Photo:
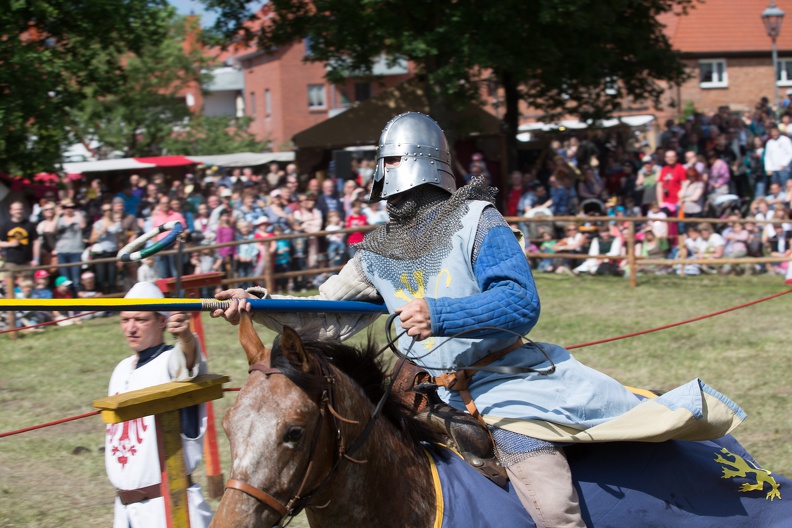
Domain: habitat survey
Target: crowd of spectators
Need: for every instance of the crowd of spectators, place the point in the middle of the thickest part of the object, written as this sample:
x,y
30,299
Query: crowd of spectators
x,y
727,165
88,223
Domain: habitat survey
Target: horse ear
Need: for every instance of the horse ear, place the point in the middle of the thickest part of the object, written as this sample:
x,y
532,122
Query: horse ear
x,y
293,349
254,349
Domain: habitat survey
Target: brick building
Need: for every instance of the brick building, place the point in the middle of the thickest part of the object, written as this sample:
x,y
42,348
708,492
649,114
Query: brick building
x,y
728,56
285,95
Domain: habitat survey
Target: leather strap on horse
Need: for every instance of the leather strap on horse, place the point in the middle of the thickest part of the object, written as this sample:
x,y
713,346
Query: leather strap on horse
x,y
460,380
256,493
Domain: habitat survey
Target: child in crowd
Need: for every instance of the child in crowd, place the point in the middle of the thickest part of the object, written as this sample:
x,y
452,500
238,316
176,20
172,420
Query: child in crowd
x,y
660,228
335,242
24,317
206,261
41,289
63,291
247,254
355,219
226,233
88,290
547,246
146,271
282,258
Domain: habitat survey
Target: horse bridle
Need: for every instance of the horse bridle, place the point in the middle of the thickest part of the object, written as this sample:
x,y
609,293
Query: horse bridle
x,y
299,501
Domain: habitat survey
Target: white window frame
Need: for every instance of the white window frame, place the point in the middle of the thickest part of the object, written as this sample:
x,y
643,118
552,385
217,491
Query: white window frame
x,y
781,74
718,83
267,102
318,105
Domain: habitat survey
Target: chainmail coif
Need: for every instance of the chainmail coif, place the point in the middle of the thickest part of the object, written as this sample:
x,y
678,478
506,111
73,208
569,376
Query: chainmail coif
x,y
424,220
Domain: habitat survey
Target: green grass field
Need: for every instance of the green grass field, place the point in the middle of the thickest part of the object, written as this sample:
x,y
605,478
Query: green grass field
x,y
47,480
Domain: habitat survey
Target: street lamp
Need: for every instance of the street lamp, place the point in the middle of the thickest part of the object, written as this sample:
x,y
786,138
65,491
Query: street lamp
x,y
772,17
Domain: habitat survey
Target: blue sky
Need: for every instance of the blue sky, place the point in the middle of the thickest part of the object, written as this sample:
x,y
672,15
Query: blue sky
x,y
187,7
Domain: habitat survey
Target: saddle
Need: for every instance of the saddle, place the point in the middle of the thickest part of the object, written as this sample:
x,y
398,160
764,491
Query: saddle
x,y
415,389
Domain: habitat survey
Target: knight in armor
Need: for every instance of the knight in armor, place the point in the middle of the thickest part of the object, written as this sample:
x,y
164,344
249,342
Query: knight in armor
x,y
455,272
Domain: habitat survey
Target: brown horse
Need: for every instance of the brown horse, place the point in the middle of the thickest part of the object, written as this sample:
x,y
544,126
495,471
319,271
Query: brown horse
x,y
291,430
302,437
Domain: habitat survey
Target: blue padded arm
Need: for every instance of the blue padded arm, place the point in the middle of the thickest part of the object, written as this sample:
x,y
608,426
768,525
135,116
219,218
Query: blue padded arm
x,y
508,297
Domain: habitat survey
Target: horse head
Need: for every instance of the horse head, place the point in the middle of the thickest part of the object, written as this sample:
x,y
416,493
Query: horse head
x,y
281,441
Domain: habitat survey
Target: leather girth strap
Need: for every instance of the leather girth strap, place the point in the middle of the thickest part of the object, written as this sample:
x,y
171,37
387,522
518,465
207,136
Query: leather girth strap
x,y
266,498
460,380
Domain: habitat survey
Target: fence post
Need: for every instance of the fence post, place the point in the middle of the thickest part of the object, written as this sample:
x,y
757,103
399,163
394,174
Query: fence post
x,y
268,283
631,254
11,316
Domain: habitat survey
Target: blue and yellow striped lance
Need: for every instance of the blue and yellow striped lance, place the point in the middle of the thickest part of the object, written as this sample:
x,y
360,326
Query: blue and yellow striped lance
x,y
111,304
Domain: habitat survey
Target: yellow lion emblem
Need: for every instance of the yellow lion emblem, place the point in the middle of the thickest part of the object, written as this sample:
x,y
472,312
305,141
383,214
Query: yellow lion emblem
x,y
739,467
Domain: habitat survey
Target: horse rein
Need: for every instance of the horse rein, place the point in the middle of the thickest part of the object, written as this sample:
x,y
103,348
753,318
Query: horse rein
x,y
299,501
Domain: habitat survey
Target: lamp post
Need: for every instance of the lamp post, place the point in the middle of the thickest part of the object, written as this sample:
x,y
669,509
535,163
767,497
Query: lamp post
x,y
772,17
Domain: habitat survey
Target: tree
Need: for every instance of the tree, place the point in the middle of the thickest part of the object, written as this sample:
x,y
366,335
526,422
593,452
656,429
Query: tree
x,y
214,135
53,56
577,57
140,116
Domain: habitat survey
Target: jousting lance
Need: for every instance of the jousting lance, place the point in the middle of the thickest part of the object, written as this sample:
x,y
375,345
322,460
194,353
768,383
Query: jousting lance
x,y
135,251
112,304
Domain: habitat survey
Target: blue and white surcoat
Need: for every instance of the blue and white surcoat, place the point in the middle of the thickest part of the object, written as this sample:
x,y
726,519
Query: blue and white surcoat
x,y
496,291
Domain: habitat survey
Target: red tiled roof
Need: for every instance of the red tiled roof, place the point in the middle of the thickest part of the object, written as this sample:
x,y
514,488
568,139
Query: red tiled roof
x,y
726,26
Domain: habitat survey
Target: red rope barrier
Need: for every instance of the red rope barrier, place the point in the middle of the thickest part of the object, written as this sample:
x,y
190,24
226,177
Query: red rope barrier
x,y
590,343
19,329
48,424
678,323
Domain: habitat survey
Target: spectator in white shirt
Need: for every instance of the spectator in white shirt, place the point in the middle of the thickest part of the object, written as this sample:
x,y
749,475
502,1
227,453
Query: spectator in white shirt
x,y
778,155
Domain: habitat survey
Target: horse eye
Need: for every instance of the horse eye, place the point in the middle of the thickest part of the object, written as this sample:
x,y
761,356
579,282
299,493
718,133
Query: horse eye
x,y
294,434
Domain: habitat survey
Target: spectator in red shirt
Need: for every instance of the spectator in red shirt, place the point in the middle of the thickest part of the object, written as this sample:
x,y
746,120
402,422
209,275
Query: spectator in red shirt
x,y
355,219
670,181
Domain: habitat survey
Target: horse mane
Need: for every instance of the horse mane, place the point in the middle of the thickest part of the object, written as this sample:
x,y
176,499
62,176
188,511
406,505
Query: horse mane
x,y
366,367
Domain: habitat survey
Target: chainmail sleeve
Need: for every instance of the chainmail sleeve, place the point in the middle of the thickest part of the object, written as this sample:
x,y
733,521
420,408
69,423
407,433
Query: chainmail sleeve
x,y
490,218
350,284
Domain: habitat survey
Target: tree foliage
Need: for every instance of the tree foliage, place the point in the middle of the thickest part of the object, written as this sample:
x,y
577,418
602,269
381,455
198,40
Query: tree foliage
x,y
55,54
214,135
573,57
139,117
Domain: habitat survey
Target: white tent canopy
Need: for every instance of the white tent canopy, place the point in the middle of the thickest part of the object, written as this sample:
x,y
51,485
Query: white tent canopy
x,y
239,159
105,165
244,159
571,124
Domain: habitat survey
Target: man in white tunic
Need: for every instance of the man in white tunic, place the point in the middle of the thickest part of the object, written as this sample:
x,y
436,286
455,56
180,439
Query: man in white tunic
x,y
131,453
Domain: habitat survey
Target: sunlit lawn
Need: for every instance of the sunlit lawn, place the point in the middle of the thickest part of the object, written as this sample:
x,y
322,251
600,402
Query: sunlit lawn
x,y
743,354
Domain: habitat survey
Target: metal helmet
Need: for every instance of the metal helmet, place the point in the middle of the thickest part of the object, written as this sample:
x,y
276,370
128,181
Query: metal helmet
x,y
425,159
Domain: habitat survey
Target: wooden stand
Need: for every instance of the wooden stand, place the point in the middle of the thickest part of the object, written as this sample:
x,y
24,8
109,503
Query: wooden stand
x,y
192,284
164,402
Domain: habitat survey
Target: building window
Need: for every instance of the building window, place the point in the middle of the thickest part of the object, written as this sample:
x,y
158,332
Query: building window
x,y
267,102
316,96
362,91
307,41
252,103
712,74
784,73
